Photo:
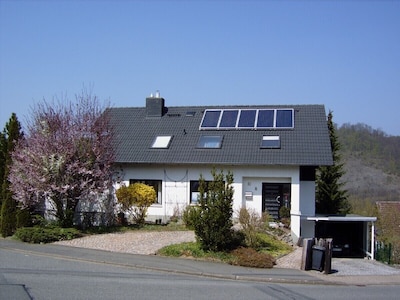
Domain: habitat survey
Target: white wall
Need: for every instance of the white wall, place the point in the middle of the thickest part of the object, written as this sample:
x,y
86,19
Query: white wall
x,y
176,187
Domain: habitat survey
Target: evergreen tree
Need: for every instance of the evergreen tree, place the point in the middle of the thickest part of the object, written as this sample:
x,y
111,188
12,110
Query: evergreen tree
x,y
331,198
12,134
213,217
3,151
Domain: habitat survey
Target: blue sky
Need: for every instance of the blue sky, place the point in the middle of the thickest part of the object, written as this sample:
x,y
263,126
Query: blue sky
x,y
343,54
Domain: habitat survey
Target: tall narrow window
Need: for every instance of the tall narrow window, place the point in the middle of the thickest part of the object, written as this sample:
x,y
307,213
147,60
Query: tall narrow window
x,y
194,190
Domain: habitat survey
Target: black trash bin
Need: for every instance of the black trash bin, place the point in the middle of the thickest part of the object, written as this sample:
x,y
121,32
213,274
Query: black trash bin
x,y
318,258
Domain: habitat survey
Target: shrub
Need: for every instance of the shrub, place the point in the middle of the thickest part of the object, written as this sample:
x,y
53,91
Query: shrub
x,y
284,212
248,257
251,223
189,216
136,199
46,234
8,217
24,218
213,222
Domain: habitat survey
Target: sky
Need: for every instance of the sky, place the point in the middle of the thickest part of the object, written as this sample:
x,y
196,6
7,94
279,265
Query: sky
x,y
342,54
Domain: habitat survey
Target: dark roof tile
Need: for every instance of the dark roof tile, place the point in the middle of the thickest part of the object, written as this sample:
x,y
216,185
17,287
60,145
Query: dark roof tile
x,y
306,144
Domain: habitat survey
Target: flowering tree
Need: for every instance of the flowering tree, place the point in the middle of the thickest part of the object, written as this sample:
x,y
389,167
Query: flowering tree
x,y
136,199
66,156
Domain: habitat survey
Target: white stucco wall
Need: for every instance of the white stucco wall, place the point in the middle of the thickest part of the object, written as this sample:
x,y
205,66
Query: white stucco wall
x,y
247,181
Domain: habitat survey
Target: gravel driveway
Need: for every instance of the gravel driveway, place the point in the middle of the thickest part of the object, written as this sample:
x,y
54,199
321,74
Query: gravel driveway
x,y
134,242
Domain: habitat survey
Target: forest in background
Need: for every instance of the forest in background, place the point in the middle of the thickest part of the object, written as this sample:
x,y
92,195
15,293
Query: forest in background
x,y
371,160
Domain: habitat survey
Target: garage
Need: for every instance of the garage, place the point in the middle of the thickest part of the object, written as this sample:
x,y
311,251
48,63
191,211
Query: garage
x,y
352,235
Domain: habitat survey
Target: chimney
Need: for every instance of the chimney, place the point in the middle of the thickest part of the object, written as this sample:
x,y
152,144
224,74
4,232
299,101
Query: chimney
x,y
154,106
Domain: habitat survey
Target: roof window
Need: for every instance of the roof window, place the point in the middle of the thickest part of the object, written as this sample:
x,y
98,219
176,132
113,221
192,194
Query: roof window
x,y
271,142
210,141
162,141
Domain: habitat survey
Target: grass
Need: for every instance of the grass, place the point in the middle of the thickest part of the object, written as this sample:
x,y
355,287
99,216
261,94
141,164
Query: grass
x,y
270,248
271,245
193,250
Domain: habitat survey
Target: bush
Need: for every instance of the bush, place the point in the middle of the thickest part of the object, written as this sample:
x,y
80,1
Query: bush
x,y
248,257
251,223
46,234
213,222
24,218
8,217
136,199
189,216
284,212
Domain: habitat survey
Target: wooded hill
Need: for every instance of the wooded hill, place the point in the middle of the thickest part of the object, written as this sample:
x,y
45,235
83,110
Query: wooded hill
x,y
372,163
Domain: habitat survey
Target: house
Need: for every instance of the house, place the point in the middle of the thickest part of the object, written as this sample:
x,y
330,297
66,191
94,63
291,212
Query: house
x,y
272,151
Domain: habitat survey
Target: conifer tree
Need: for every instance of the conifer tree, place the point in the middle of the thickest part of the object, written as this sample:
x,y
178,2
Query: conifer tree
x,y
12,134
213,217
3,148
331,197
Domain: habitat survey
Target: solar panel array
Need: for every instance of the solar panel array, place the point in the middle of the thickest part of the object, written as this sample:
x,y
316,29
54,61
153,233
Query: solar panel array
x,y
247,119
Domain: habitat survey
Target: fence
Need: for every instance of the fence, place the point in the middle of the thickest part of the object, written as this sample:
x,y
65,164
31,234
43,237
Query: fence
x,y
384,252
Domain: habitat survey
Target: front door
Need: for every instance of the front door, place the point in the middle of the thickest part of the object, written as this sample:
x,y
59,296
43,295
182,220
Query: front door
x,y
275,195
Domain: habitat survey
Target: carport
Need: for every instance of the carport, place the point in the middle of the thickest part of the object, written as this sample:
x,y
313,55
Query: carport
x,y
352,235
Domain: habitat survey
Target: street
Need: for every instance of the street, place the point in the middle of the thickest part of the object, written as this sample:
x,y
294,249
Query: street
x,y
35,275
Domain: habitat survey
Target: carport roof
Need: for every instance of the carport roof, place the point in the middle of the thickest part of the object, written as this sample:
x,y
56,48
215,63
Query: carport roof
x,y
341,218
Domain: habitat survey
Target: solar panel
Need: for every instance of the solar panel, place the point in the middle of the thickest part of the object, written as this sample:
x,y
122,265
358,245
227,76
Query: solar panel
x,y
265,118
228,119
284,118
247,118
211,118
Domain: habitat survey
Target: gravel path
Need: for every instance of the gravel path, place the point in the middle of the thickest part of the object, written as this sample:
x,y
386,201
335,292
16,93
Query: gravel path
x,y
135,242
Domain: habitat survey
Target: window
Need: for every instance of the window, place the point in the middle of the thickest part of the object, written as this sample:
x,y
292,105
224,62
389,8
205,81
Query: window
x,y
194,191
271,141
162,142
210,141
156,184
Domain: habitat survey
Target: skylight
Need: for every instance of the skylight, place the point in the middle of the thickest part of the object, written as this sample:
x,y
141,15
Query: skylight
x,y
210,141
162,141
271,141
247,119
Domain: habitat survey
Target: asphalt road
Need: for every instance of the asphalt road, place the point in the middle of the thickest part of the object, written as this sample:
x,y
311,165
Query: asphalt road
x,y
67,273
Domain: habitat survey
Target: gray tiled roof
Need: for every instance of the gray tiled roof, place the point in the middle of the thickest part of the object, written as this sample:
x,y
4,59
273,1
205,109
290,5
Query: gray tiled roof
x,y
307,144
